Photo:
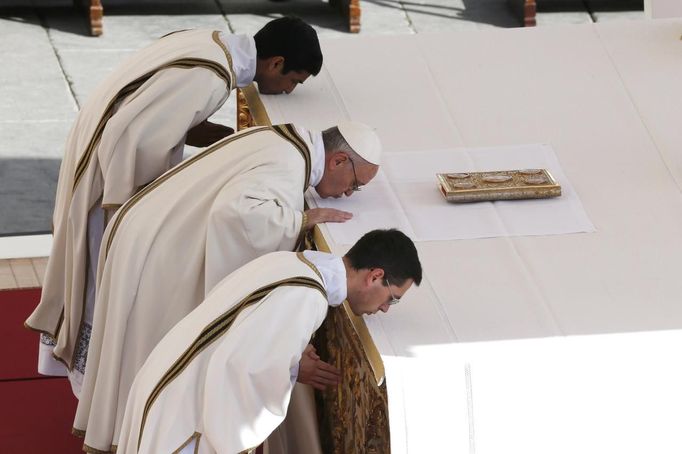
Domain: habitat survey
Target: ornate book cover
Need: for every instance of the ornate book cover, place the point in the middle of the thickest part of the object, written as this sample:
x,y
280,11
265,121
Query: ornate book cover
x,y
498,185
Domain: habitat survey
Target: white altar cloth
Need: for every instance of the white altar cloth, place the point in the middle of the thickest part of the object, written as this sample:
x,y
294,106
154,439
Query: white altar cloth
x,y
405,195
606,97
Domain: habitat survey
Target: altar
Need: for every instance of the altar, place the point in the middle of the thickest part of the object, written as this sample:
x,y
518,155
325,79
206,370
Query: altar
x,y
516,342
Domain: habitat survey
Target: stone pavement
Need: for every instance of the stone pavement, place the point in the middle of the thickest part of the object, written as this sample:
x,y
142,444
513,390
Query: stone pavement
x,y
50,64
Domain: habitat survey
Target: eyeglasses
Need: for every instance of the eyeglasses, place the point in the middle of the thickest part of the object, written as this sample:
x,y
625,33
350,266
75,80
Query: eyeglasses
x,y
356,187
394,300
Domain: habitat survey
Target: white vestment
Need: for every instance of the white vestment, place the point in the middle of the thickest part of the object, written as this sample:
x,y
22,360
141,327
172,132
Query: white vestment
x,y
171,243
299,432
131,130
222,377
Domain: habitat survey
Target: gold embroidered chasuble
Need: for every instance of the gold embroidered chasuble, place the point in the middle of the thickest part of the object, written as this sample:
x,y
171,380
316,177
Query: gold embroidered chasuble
x,y
131,130
172,242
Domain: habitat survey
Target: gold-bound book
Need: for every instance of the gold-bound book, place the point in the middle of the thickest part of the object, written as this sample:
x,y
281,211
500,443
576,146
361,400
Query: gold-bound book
x,y
498,185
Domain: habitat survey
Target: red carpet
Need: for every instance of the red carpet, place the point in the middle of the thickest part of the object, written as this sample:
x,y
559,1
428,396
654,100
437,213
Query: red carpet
x,y
37,412
22,347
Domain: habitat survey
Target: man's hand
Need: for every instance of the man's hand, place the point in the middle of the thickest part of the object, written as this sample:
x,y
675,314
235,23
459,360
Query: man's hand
x,y
315,372
206,133
320,215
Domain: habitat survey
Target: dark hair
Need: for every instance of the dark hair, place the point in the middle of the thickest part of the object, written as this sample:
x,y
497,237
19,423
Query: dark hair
x,y
293,39
390,250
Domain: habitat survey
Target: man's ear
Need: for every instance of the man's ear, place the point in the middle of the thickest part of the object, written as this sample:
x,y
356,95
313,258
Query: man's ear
x,y
375,274
276,63
338,158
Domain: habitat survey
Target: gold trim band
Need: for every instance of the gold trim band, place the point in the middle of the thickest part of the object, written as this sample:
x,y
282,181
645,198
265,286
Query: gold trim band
x,y
302,258
195,436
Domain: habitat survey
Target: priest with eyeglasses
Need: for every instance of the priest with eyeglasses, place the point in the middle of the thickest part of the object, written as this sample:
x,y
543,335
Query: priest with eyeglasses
x,y
220,380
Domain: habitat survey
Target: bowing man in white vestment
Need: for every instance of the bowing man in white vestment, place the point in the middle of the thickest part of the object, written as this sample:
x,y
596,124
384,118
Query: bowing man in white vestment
x,y
220,380
132,129
168,246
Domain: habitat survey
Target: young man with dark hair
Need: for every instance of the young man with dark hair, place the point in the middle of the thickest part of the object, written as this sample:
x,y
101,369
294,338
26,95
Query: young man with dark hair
x,y
132,129
390,250
288,53
221,379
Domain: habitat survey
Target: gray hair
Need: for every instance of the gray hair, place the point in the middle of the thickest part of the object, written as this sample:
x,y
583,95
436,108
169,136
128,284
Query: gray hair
x,y
334,141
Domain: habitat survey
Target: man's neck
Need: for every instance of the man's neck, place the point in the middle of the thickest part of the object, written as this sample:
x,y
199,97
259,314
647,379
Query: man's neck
x,y
350,273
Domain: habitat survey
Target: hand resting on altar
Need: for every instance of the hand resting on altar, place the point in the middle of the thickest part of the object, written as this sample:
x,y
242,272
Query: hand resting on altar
x,y
315,372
